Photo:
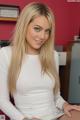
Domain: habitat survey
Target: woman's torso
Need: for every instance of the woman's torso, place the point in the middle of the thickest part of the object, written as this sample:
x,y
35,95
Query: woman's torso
x,y
34,90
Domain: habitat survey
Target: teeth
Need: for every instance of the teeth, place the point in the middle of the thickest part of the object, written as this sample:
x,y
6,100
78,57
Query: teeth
x,y
38,41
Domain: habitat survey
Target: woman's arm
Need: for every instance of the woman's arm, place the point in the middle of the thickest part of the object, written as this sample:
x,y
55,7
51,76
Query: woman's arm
x,y
60,102
5,105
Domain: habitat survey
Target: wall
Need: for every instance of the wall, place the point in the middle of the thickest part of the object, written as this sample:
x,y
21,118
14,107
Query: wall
x,y
67,16
6,28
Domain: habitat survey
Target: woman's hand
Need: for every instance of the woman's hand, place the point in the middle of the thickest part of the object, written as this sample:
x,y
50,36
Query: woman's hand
x,y
68,107
36,118
33,118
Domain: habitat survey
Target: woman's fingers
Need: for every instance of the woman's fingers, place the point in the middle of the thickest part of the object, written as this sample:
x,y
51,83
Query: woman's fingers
x,y
76,107
70,108
68,113
35,118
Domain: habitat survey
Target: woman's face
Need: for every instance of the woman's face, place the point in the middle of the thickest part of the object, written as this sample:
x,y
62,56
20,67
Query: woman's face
x,y
38,32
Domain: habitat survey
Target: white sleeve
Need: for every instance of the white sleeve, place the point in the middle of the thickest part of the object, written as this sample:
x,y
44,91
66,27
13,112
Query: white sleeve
x,y
5,105
58,98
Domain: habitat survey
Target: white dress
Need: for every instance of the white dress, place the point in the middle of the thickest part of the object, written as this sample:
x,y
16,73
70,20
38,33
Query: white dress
x,y
34,91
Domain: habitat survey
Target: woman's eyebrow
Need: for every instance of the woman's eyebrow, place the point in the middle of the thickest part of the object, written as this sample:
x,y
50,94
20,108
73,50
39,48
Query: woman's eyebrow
x,y
38,26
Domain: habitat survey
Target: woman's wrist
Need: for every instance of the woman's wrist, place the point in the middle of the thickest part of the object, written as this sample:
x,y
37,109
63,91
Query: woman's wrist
x,y
65,104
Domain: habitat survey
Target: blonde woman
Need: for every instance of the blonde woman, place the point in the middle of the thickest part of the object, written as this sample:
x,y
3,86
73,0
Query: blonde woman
x,y
29,69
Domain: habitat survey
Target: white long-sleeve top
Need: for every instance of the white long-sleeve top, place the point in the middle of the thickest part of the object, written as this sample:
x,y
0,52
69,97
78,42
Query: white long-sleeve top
x,y
34,94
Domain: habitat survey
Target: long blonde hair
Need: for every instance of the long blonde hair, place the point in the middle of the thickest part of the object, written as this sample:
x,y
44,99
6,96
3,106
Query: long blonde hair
x,y
19,44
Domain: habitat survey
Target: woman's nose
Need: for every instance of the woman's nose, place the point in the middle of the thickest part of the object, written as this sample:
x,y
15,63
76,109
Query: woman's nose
x,y
42,35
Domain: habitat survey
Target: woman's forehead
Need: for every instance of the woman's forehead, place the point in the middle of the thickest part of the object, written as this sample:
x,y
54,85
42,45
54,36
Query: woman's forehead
x,y
41,21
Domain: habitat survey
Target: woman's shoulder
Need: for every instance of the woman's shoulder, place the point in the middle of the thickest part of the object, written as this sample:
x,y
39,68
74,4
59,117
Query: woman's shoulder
x,y
56,55
56,58
5,50
5,53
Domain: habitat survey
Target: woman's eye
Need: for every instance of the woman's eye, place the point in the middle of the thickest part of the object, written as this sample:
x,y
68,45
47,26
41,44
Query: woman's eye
x,y
48,31
37,29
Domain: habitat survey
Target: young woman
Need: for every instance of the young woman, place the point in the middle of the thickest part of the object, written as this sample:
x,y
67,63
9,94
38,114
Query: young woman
x,y
29,69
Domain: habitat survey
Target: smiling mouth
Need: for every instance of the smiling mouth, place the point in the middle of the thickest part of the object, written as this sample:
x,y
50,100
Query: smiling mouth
x,y
38,42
